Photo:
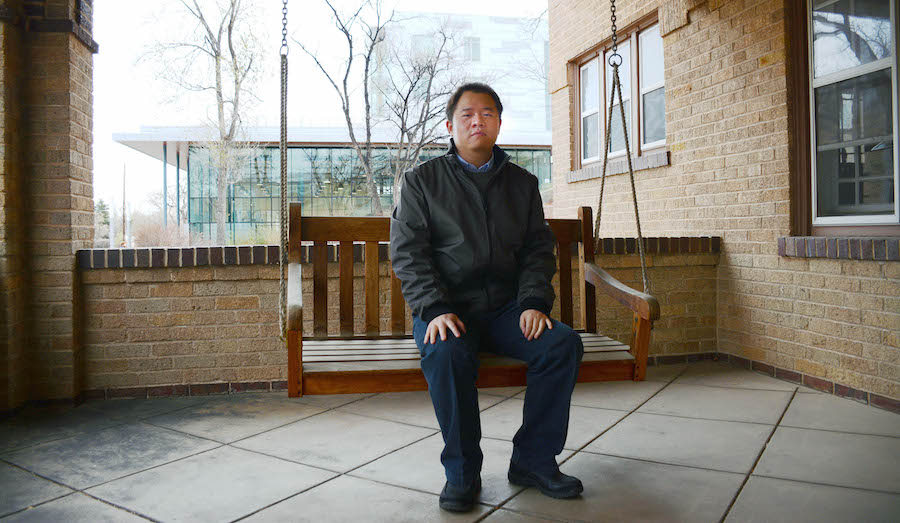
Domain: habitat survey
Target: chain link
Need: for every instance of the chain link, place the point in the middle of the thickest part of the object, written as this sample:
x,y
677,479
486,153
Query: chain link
x,y
284,30
615,59
282,148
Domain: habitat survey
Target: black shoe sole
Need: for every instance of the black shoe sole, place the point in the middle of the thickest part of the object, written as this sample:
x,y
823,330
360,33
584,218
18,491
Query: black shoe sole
x,y
459,506
525,481
454,507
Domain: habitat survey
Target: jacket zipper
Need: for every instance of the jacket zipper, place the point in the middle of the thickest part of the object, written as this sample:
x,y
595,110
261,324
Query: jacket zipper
x,y
487,225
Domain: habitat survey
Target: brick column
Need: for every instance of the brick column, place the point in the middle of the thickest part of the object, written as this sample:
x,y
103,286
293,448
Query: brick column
x,y
13,384
56,200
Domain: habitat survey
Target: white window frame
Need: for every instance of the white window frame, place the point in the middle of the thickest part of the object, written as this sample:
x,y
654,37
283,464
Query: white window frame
x,y
884,63
630,49
626,50
597,111
644,89
469,44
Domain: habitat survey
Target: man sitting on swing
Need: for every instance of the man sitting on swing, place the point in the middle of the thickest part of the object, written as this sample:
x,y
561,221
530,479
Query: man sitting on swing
x,y
475,259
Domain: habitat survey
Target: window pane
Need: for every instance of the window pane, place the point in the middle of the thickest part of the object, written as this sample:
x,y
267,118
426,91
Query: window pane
x,y
855,109
651,50
855,181
525,161
655,115
850,33
472,49
854,146
590,136
590,88
617,136
624,72
241,190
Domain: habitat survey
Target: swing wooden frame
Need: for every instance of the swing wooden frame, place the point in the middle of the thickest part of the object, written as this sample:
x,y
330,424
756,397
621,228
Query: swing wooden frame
x,y
348,362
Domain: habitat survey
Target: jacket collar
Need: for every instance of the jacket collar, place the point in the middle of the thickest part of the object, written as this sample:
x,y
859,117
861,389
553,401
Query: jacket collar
x,y
500,156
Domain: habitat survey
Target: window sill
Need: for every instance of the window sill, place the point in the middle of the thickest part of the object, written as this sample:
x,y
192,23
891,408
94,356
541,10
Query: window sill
x,y
620,165
866,248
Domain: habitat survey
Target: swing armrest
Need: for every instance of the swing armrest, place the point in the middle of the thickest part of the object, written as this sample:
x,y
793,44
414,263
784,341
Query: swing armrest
x,y
294,298
644,305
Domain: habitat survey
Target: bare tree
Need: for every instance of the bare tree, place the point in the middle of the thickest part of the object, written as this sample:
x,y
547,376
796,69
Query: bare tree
x,y
415,84
868,41
219,56
354,27
535,66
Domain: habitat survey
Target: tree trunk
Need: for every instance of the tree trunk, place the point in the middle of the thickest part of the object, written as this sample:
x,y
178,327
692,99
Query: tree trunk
x,y
221,200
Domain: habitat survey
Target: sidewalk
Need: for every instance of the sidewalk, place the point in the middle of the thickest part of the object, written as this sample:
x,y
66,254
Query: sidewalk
x,y
702,442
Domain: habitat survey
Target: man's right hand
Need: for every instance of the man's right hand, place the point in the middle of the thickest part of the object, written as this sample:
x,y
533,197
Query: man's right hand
x,y
443,323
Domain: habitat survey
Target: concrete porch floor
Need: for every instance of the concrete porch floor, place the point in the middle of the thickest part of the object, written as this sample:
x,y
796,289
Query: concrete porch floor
x,y
702,442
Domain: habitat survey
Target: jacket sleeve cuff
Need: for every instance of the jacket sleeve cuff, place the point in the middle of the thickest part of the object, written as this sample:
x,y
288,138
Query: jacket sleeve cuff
x,y
536,304
433,311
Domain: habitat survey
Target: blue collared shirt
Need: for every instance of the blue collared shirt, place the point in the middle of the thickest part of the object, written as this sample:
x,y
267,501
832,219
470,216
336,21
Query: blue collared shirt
x,y
472,169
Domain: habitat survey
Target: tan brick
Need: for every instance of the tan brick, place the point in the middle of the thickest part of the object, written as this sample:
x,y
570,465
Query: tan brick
x,y
192,274
868,269
167,377
172,348
147,305
248,272
892,270
192,362
269,373
860,365
126,291
237,360
884,320
843,314
237,302
171,289
208,375
147,275
102,276
811,368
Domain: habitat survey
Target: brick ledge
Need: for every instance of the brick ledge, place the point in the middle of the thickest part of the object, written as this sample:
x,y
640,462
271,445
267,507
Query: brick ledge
x,y
860,248
198,389
814,382
161,257
619,166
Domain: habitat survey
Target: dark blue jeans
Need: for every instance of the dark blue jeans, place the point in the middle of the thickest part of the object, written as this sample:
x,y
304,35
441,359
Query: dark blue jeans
x,y
451,368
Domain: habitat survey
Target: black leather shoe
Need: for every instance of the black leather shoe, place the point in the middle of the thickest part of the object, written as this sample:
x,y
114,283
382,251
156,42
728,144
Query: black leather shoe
x,y
555,485
459,499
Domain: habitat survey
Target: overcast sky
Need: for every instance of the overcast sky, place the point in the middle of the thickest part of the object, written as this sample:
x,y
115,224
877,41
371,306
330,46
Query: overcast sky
x,y
128,96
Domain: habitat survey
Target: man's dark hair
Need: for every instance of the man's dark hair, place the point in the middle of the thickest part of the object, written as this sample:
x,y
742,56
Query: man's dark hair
x,y
474,87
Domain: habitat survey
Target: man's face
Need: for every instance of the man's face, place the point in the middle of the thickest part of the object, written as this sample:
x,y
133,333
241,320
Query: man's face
x,y
476,122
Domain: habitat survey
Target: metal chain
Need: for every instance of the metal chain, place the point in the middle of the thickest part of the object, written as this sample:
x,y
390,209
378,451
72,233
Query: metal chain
x,y
618,86
282,147
615,37
284,30
615,60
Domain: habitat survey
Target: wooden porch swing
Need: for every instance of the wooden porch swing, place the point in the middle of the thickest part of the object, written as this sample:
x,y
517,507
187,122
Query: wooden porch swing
x,y
377,361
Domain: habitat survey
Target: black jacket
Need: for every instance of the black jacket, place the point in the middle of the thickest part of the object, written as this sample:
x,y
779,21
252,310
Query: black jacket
x,y
456,251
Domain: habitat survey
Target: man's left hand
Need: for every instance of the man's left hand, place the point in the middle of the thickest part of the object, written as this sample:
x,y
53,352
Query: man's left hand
x,y
533,322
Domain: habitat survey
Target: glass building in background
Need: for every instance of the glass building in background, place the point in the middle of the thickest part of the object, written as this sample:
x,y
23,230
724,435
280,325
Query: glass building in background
x,y
328,181
324,174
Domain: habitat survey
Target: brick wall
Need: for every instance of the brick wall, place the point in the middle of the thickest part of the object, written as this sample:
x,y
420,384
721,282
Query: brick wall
x,y
199,325
727,132
12,224
47,200
59,199
176,328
